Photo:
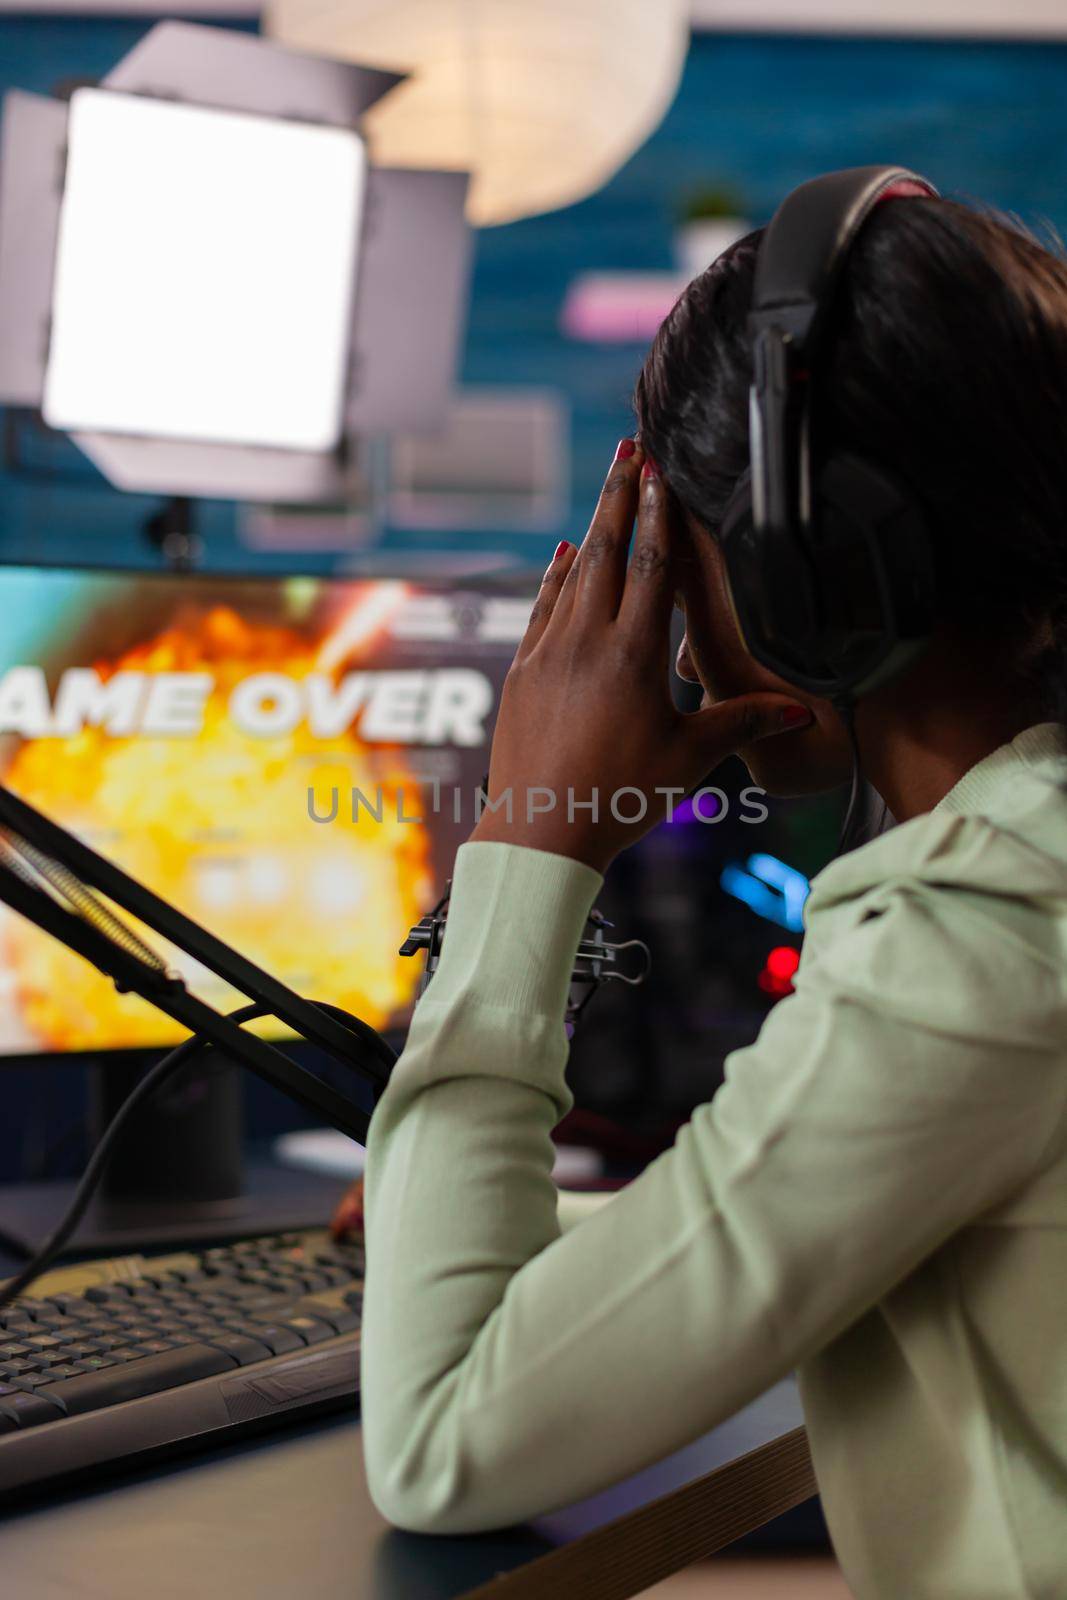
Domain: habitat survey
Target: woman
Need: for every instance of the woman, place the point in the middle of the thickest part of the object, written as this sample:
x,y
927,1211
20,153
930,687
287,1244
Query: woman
x,y
877,1196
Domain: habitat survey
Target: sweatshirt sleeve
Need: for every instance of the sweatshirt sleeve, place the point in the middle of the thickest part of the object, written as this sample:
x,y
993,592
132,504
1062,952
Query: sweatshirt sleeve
x,y
855,1136
575,1206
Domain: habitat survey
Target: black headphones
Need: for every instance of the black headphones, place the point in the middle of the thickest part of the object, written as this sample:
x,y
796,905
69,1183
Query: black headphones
x,y
829,561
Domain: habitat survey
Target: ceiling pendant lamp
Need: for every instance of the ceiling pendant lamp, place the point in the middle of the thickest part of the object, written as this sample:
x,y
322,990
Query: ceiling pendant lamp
x,y
541,100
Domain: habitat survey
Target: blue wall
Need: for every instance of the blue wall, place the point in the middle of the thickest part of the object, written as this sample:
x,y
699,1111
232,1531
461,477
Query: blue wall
x,y
986,119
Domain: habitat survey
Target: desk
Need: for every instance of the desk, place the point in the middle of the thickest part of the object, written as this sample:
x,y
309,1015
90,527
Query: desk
x,y
288,1517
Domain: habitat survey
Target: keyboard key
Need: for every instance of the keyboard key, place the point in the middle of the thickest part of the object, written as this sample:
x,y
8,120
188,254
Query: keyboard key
x,y
310,1329
129,1381
94,1363
28,1410
263,1300
278,1338
32,1307
342,1319
243,1349
335,1276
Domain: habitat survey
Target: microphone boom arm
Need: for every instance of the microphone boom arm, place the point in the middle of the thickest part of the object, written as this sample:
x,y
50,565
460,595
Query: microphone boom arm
x,y
133,967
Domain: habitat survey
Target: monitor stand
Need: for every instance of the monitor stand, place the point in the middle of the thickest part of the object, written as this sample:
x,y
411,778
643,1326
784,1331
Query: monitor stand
x,y
177,1178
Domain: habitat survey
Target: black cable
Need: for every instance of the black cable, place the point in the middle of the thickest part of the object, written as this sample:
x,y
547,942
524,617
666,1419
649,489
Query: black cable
x,y
105,1149
852,826
849,825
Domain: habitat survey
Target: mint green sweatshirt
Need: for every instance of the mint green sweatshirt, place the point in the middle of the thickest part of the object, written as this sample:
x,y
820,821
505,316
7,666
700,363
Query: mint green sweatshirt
x,y
876,1196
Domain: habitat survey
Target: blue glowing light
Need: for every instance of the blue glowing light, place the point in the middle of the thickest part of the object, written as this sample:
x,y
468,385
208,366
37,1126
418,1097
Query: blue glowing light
x,y
770,888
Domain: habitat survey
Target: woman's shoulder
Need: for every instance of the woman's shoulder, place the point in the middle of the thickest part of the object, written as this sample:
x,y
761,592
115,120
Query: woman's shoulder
x,y
957,916
1016,852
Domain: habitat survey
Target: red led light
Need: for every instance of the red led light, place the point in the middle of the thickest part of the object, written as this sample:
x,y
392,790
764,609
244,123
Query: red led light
x,y
783,961
777,975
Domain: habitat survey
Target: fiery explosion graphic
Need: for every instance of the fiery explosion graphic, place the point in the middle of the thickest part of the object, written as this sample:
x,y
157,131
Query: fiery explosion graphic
x,y
219,825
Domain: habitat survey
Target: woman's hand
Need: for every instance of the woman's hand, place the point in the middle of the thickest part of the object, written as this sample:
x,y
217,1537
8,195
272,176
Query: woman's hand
x,y
348,1217
588,740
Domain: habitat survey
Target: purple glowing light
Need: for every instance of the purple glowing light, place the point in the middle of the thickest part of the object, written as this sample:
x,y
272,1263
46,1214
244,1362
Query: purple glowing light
x,y
712,807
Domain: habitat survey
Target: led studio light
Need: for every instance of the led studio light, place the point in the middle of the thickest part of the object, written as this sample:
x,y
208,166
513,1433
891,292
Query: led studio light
x,y
205,272
205,282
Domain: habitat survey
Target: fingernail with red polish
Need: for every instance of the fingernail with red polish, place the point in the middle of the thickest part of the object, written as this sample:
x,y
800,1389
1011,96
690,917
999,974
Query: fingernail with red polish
x,y
555,557
650,469
626,449
795,717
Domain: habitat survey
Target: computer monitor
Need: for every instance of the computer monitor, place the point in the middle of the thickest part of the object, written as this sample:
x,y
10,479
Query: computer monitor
x,y
292,762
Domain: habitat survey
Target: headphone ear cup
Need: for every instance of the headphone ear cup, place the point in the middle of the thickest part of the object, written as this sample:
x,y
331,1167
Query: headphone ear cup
x,y
847,608
769,582
736,537
874,571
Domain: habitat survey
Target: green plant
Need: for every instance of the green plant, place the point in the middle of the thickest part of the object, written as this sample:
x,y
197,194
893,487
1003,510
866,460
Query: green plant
x,y
715,200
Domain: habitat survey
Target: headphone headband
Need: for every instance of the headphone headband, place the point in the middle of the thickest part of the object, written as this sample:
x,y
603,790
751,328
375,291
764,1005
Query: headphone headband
x,y
784,533
807,240
800,261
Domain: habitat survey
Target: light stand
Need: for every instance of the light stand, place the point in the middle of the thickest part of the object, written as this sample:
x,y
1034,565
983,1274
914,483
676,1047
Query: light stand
x,y
172,532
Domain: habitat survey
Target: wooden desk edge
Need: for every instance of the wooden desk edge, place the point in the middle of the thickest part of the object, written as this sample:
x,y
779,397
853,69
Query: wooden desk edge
x,y
638,1550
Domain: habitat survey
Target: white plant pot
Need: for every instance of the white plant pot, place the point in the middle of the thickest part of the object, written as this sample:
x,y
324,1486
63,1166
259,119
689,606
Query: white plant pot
x,y
697,244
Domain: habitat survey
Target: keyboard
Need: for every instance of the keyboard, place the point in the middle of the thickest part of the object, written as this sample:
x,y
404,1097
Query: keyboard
x,y
138,1357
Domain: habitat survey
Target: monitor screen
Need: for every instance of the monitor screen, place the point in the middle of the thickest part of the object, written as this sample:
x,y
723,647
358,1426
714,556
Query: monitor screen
x,y
291,762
